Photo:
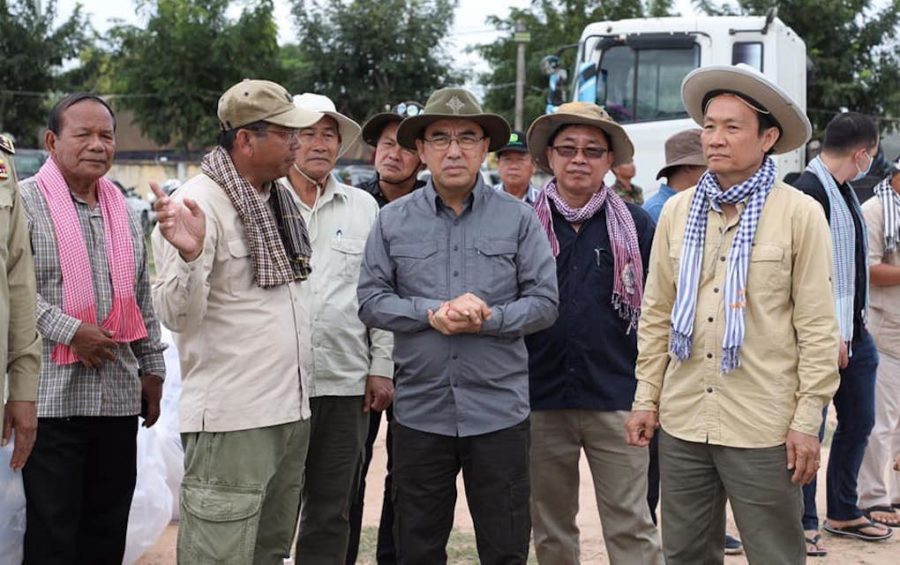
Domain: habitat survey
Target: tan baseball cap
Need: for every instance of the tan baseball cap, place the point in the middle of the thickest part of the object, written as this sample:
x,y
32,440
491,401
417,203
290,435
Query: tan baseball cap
x,y
262,101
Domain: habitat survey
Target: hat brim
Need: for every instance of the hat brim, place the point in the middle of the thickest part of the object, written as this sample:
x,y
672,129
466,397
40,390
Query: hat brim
x,y
347,129
372,129
696,160
543,128
494,126
294,118
507,149
795,127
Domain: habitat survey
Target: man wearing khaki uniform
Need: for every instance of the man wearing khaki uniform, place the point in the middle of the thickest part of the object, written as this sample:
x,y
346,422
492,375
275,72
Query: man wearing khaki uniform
x,y
879,497
737,339
231,251
20,345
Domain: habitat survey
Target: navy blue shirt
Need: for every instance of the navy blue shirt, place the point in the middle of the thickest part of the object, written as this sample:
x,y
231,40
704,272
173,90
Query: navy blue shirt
x,y
586,360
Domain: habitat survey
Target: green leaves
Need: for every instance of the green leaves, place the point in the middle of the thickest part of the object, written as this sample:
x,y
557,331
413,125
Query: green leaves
x,y
31,52
171,72
366,54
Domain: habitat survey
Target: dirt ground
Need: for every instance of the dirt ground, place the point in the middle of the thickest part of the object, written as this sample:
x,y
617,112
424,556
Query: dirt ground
x,y
593,552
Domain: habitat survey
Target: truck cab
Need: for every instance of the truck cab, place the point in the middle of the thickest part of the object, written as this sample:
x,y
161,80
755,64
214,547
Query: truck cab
x,y
634,69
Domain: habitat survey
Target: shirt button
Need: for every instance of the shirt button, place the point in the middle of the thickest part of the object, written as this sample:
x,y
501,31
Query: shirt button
x,y
716,290
455,248
709,355
571,369
455,222
575,268
454,356
722,258
455,273
709,389
710,319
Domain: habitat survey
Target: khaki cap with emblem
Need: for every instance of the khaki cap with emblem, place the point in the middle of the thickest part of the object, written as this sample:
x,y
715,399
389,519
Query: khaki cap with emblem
x,y
577,114
450,104
252,101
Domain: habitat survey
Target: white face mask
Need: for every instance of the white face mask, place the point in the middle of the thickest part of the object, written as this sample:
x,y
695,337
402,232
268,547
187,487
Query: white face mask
x,y
861,174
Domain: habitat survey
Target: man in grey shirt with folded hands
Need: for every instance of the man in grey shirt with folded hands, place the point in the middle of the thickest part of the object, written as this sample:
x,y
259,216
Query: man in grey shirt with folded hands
x,y
460,273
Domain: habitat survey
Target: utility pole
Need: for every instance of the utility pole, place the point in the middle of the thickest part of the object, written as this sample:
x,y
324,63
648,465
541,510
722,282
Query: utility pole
x,y
521,38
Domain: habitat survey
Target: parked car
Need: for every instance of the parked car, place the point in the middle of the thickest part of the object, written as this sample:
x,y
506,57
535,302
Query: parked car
x,y
28,162
139,206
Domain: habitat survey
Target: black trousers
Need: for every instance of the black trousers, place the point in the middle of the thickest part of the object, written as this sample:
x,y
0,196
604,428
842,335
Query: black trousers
x,y
79,481
653,477
386,551
496,477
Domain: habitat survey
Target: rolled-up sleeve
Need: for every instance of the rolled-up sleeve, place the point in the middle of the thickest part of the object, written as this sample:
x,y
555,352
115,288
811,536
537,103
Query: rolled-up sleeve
x,y
536,307
379,304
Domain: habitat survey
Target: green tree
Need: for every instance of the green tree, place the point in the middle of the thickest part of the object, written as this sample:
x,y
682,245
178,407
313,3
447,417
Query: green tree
x,y
365,54
553,25
855,59
171,71
32,52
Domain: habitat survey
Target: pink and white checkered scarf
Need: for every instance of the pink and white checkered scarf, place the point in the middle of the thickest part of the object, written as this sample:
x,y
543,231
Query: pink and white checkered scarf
x,y
628,278
124,321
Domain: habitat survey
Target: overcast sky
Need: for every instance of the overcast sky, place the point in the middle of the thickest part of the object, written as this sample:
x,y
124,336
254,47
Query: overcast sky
x,y
469,25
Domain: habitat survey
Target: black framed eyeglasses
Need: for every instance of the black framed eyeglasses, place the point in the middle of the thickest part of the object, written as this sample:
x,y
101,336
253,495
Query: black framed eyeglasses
x,y
569,151
465,141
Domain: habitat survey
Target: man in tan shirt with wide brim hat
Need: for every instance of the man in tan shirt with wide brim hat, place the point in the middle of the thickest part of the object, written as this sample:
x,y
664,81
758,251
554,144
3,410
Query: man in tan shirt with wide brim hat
x,y
737,338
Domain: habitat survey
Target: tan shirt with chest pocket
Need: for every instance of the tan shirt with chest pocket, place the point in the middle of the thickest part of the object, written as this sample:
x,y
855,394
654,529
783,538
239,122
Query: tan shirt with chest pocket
x,y
20,344
788,366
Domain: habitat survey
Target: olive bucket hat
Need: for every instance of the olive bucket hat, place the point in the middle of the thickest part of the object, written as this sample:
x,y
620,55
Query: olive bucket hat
x,y
448,104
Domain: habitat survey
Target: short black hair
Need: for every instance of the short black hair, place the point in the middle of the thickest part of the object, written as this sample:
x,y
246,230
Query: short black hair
x,y
848,131
552,137
54,120
226,137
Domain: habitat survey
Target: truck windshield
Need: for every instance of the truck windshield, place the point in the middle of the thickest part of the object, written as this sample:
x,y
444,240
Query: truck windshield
x,y
641,85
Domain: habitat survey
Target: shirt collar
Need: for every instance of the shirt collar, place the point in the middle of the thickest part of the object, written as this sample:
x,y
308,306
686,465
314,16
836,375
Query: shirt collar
x,y
478,194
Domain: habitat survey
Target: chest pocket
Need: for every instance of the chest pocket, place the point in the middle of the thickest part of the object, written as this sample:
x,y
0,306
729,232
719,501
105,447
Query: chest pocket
x,y
348,254
240,269
419,272
767,268
496,274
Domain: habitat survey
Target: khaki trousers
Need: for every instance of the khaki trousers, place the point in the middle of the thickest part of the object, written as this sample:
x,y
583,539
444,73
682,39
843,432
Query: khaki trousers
x,y
619,473
240,496
884,440
697,478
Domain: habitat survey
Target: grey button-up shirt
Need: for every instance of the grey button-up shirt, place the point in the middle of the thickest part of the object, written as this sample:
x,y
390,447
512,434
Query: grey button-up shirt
x,y
420,254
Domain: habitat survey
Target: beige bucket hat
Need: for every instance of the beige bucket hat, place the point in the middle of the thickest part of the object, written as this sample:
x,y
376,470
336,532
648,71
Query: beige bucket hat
x,y
453,103
261,101
573,114
683,148
747,82
347,128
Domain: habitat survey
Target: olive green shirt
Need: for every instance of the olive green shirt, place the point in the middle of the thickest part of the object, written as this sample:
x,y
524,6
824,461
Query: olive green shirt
x,y
788,369
20,345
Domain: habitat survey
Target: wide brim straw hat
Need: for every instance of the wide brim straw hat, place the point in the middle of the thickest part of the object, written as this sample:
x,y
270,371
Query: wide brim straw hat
x,y
577,114
700,85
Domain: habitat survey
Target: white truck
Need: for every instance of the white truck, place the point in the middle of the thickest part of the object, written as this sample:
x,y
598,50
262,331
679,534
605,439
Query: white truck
x,y
634,69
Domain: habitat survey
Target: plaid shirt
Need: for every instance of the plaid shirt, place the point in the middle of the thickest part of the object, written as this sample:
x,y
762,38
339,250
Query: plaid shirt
x,y
76,390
